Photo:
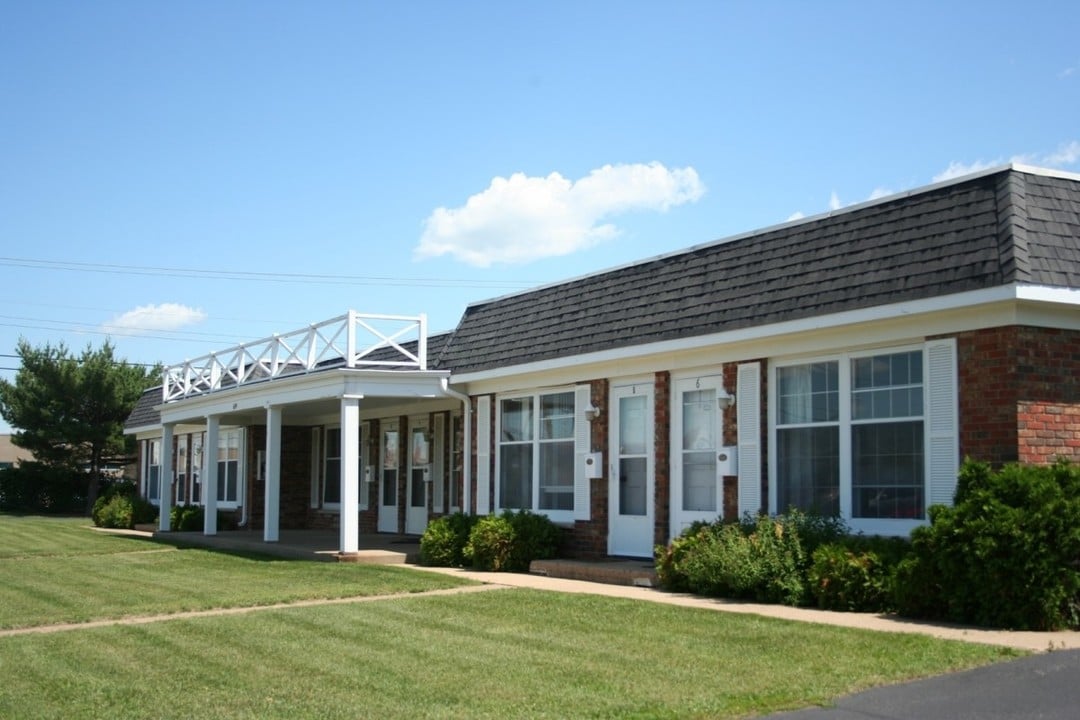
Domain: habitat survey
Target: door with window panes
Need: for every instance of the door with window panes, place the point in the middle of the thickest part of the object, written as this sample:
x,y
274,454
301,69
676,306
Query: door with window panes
x,y
419,478
696,440
388,476
631,473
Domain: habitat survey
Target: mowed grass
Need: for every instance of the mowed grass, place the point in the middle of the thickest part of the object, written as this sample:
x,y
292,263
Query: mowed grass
x,y
498,654
60,571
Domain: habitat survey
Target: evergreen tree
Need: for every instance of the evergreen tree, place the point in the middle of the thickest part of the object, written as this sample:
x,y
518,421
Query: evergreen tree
x,y
69,411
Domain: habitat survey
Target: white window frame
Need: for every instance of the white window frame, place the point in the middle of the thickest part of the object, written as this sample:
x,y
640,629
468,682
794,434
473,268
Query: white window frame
x,y
198,447
871,526
152,451
183,459
559,516
224,434
457,461
326,458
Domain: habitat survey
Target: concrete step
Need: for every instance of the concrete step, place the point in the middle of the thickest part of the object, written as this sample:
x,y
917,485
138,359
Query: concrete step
x,y
611,571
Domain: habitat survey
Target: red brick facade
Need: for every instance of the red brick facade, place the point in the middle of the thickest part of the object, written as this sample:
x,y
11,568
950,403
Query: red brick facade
x,y
1019,390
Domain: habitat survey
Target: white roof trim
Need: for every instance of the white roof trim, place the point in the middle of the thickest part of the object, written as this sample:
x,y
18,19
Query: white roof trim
x,y
958,301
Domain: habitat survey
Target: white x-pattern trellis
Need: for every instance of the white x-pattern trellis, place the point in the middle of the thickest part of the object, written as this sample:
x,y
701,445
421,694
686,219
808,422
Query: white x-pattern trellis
x,y
352,340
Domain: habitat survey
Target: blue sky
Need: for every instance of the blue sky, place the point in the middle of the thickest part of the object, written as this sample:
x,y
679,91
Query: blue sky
x,y
419,156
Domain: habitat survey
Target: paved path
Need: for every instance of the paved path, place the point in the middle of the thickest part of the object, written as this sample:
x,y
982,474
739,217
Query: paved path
x,y
1031,641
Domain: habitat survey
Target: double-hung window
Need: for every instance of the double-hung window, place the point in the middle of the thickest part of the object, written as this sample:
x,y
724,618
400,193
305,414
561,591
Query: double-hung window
x,y
850,435
152,470
332,468
536,453
229,483
182,468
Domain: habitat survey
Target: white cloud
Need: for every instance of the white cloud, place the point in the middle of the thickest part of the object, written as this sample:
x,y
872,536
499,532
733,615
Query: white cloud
x,y
878,193
150,318
834,201
520,219
1068,153
795,216
959,169
1066,72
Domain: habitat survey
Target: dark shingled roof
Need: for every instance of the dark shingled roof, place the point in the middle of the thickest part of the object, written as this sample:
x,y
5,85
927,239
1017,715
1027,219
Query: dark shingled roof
x,y
144,414
995,229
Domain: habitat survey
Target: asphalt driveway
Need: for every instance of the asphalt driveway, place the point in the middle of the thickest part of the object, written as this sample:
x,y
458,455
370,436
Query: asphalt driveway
x,y
1043,687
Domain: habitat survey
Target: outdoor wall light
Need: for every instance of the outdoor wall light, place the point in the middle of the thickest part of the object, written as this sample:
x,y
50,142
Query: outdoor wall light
x,y
591,413
725,401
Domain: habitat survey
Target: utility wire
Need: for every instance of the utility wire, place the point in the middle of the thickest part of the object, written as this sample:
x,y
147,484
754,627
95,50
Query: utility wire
x,y
250,276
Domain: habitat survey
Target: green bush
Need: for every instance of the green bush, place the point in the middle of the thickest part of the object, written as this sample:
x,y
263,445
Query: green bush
x,y
39,488
120,506
186,518
671,558
1006,554
490,545
443,542
509,542
116,512
762,559
856,573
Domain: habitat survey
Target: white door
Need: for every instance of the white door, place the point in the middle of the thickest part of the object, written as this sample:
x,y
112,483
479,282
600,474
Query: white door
x,y
389,449
632,480
416,513
696,440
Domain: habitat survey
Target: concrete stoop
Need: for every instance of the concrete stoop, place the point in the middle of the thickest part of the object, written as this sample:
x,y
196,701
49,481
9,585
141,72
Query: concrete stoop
x,y
611,571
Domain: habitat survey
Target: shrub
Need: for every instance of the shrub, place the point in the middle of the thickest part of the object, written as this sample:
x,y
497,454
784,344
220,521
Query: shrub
x,y
444,540
1006,554
759,559
120,506
39,488
671,558
509,542
490,543
535,538
186,518
856,573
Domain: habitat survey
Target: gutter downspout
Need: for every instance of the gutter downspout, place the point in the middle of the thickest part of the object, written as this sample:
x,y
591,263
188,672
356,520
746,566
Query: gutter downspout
x,y
466,457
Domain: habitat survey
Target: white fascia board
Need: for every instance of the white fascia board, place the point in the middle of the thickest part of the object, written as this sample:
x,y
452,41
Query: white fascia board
x,y
324,385
1043,293
143,431
910,309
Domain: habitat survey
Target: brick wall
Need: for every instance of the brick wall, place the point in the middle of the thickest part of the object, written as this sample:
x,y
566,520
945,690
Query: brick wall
x,y
588,538
1019,394
662,449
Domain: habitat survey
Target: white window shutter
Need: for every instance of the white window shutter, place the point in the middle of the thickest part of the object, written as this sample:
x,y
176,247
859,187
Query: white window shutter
x,y
943,454
438,465
365,487
582,448
316,464
748,415
483,455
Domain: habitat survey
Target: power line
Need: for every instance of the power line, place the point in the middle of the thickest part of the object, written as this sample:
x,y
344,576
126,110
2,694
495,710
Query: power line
x,y
251,276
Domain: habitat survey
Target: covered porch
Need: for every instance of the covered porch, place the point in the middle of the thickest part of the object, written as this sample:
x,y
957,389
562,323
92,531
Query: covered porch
x,y
323,381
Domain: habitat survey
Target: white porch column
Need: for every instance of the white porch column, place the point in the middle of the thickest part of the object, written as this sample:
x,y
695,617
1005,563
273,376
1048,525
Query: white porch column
x,y
165,480
209,476
350,475
272,491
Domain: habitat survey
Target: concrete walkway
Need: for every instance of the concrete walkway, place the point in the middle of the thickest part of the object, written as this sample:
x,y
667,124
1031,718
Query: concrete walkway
x,y
1031,641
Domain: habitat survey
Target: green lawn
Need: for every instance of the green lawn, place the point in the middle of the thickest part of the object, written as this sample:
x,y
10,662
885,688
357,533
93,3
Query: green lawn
x,y
498,654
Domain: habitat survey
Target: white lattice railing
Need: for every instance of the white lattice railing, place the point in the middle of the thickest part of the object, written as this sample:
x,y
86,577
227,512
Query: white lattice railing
x,y
352,340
